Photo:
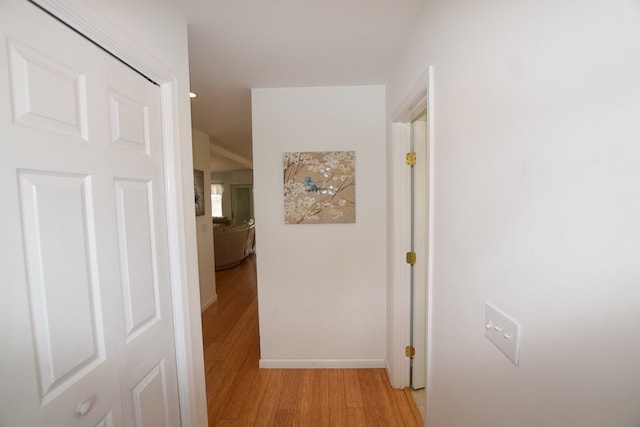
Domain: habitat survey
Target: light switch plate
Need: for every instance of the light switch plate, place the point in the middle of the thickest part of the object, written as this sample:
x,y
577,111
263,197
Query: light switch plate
x,y
503,331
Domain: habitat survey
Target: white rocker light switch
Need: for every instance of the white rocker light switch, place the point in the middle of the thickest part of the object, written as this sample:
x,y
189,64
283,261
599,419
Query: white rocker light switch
x,y
503,331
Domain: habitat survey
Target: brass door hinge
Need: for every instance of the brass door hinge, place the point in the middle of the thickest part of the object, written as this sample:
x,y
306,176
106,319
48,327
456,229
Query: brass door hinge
x,y
411,159
411,258
410,352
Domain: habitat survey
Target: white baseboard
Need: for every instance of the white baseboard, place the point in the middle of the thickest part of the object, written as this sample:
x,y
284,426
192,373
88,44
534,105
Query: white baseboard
x,y
321,363
207,304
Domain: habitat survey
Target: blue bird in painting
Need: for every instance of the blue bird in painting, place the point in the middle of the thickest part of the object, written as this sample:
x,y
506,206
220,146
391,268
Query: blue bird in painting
x,y
309,185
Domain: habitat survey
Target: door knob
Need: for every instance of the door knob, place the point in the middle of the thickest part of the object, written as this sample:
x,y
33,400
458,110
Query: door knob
x,y
83,408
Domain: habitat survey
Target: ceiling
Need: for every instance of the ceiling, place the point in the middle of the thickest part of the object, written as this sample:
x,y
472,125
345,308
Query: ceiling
x,y
236,45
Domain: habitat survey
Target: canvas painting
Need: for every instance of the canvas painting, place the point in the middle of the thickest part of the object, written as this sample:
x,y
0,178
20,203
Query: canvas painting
x,y
319,187
198,190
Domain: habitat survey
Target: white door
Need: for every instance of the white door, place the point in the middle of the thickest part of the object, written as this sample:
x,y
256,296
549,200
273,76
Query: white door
x,y
85,306
419,225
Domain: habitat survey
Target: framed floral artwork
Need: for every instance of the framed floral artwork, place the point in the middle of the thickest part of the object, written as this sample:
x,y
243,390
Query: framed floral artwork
x,y
319,187
198,191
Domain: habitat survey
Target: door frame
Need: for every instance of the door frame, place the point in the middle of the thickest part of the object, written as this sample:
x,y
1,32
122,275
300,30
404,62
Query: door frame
x,y
178,176
418,99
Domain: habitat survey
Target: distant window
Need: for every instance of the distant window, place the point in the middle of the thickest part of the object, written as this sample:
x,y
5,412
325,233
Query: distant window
x,y
216,199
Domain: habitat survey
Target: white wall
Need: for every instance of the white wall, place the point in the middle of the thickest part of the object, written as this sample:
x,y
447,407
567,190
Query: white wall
x,y
537,207
228,179
322,286
204,227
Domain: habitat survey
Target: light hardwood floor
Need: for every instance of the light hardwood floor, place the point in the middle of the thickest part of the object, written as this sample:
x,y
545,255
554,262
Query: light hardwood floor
x,y
241,394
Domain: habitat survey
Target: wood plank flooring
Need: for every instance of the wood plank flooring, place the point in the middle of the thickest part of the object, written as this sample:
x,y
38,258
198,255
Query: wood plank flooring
x,y
241,394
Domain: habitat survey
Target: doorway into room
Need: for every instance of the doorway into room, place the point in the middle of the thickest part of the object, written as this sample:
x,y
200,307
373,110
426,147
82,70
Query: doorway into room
x,y
418,238
412,211
241,203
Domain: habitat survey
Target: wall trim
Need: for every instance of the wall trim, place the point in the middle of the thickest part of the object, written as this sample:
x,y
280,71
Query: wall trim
x,y
185,298
387,368
431,146
209,303
321,363
415,101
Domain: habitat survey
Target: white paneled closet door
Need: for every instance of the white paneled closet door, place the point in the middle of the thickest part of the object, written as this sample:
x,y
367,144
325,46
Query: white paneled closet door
x,y
85,304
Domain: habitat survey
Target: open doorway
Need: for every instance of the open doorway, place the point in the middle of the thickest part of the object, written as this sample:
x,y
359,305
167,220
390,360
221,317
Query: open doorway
x,y
233,217
412,210
241,203
230,324
419,238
